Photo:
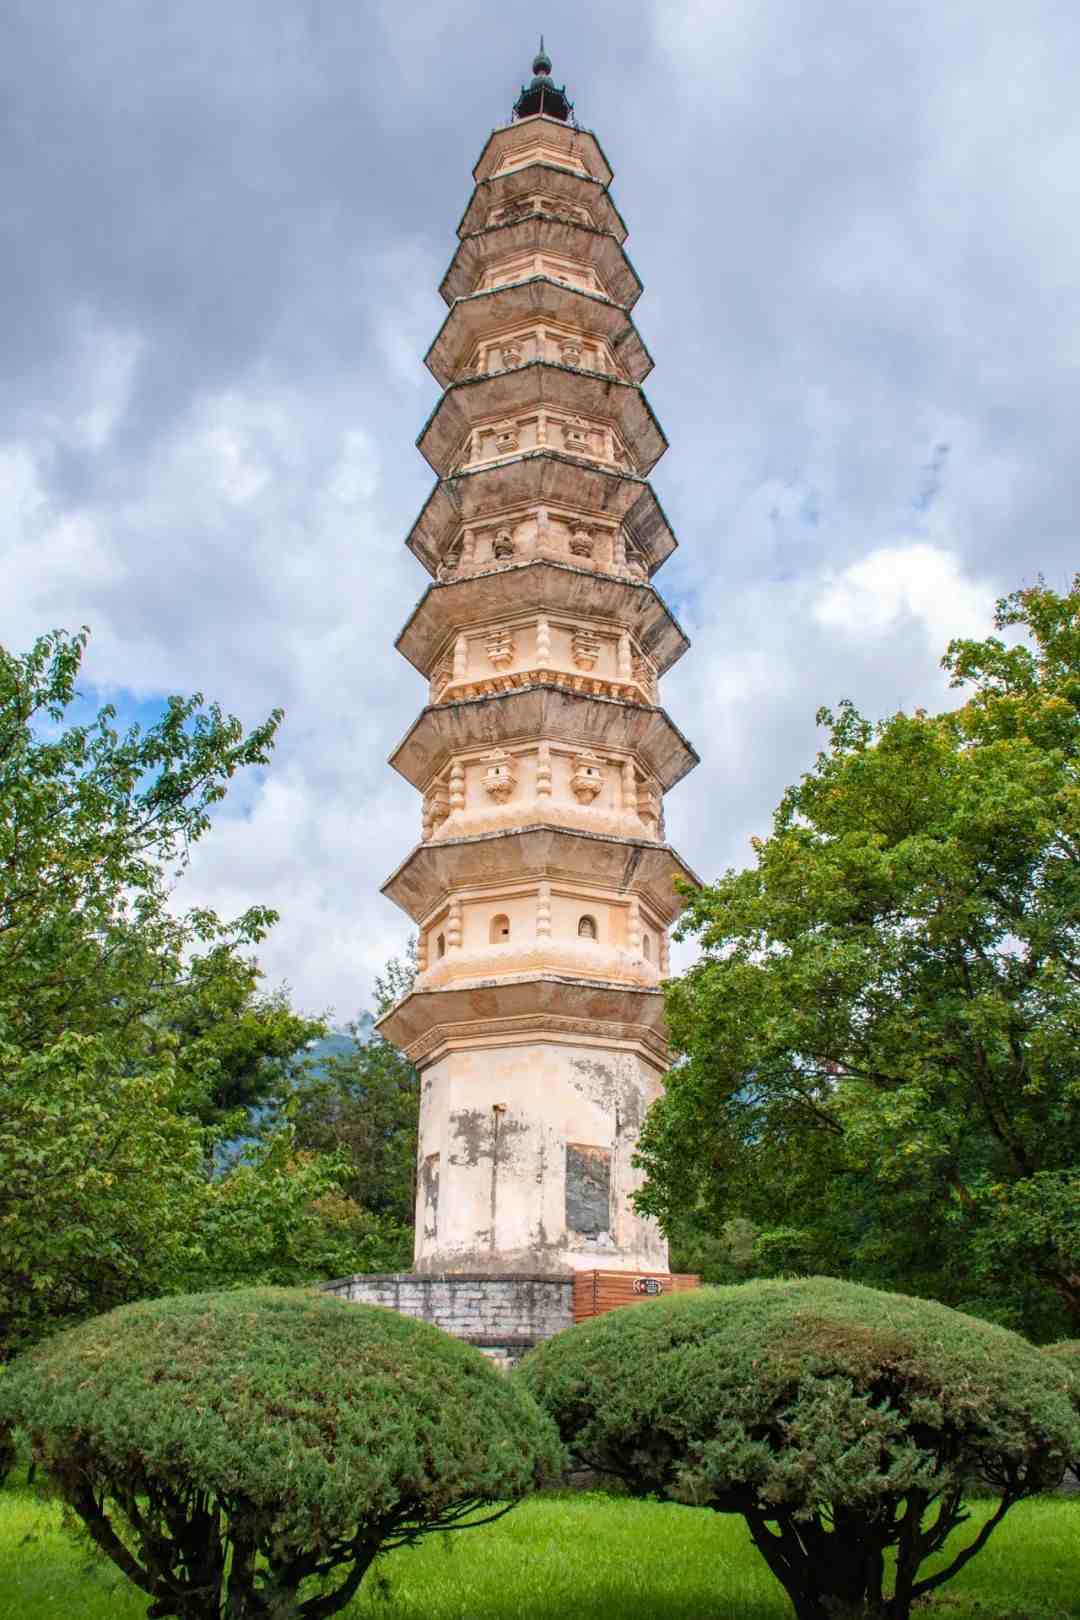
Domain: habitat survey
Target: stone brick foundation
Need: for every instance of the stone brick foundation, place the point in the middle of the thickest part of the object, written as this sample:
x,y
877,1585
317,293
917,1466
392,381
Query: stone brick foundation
x,y
503,1315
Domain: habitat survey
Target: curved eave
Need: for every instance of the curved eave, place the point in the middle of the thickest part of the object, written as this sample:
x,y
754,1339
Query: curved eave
x,y
577,144
563,184
475,316
423,1020
547,233
433,871
587,393
444,730
540,475
454,605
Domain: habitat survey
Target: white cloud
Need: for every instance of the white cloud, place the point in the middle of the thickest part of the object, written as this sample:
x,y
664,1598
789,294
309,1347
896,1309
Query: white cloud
x,y
917,582
246,557
854,227
767,654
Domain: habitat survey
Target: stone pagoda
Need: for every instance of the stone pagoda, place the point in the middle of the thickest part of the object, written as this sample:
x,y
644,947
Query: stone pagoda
x,y
542,888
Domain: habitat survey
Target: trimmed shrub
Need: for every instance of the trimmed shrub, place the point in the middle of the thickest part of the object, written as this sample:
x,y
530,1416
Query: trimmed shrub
x,y
1067,1352
250,1453
841,1422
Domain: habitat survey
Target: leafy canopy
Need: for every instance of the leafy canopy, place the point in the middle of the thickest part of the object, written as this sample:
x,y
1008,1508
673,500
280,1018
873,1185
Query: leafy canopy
x,y
250,1453
877,1046
365,1102
133,1036
841,1422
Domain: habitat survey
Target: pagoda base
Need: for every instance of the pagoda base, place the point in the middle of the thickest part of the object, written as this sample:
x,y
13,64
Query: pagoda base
x,y
504,1314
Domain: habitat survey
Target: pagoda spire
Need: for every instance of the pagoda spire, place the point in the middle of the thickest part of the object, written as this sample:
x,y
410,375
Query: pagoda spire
x,y
541,96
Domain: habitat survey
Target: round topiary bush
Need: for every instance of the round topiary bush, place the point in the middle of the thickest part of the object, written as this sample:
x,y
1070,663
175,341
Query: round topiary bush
x,y
839,1421
251,1453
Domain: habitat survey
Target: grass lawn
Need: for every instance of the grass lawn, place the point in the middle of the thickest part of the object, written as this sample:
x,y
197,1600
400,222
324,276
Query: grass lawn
x,y
592,1557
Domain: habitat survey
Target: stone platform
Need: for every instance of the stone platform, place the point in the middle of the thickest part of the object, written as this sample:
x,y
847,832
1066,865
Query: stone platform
x,y
504,1314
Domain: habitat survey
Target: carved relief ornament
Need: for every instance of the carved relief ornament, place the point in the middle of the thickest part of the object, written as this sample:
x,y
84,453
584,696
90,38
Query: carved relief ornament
x,y
500,778
500,648
585,648
576,435
588,777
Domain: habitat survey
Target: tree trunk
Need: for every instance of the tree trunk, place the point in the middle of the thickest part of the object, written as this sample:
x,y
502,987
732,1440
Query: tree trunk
x,y
835,1574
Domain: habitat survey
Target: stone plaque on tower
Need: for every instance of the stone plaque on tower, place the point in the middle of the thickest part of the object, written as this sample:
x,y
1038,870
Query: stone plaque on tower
x,y
542,888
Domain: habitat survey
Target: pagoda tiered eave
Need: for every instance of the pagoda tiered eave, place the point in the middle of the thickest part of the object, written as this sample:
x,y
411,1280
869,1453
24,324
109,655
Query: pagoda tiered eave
x,y
551,1005
602,404
500,310
542,710
562,186
510,144
540,584
433,871
581,251
549,478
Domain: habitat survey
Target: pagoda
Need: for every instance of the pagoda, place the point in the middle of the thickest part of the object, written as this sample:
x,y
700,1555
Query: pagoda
x,y
542,888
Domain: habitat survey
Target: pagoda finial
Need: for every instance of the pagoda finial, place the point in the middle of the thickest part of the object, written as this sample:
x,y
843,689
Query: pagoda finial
x,y
542,95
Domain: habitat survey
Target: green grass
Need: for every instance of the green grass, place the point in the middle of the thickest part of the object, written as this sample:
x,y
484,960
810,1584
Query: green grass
x,y
568,1558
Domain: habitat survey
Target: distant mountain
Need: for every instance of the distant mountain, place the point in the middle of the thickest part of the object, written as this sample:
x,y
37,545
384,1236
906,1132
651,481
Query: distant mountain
x,y
339,1042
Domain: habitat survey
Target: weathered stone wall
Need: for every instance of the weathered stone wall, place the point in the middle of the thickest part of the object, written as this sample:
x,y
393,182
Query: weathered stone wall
x,y
528,1154
504,1316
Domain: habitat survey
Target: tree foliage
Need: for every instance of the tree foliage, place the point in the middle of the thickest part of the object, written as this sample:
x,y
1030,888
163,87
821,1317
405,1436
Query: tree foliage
x,y
105,1198
877,1047
365,1101
92,823
251,1453
1067,1353
100,1187
844,1424
361,1100
134,1035
283,1215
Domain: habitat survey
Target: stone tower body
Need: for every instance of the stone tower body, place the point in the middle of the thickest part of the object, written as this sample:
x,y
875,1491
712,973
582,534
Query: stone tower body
x,y
542,887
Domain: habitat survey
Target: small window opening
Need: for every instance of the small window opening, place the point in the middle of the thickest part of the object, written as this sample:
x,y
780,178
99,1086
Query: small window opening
x,y
440,945
646,947
500,929
587,928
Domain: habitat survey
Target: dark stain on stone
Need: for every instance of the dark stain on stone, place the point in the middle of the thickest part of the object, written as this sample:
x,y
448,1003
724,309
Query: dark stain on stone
x,y
471,1127
615,1086
429,1181
588,1190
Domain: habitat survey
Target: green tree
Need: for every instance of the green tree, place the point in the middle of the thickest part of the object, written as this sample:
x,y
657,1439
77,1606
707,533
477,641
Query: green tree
x,y
133,1035
251,1454
238,1047
877,1048
364,1100
283,1215
94,827
844,1424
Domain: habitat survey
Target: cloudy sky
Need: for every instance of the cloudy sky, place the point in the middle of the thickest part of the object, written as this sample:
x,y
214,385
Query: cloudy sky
x,y
223,226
